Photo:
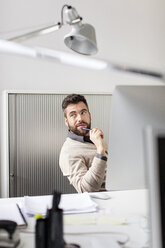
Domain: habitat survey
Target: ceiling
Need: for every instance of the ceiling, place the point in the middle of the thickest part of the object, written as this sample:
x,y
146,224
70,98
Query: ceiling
x,y
128,32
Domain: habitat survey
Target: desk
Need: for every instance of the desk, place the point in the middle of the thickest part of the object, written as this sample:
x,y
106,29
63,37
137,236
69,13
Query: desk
x,y
119,222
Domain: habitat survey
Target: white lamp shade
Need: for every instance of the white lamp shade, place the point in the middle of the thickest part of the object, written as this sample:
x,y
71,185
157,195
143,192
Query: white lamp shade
x,y
82,39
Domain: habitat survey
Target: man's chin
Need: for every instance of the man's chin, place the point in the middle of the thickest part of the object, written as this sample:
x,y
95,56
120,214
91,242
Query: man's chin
x,y
80,132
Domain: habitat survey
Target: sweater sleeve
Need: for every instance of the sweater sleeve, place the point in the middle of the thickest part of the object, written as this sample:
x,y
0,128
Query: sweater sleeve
x,y
85,178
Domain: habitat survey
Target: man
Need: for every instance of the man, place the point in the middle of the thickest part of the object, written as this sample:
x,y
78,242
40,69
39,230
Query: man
x,y
83,154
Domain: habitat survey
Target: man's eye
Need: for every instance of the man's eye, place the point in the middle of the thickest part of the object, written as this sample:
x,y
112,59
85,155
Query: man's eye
x,y
72,115
84,112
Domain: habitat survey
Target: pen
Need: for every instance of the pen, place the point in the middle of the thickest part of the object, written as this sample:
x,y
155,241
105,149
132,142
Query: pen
x,y
88,129
23,217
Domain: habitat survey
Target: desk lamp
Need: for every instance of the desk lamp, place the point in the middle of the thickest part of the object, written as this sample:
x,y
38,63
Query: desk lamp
x,y
81,39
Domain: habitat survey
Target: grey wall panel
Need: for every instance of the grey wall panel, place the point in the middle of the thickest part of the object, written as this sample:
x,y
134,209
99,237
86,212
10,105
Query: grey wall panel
x,y
36,134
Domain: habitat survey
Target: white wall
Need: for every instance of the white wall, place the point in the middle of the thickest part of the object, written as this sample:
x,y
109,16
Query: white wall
x,y
129,32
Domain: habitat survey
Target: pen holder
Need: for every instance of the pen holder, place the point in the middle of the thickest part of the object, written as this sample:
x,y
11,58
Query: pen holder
x,y
40,237
49,231
55,229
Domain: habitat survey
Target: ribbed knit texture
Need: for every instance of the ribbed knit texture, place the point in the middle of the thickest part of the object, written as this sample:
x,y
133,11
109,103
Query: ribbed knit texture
x,y
78,162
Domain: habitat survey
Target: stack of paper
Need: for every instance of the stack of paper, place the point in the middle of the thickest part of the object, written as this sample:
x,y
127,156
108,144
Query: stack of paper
x,y
70,203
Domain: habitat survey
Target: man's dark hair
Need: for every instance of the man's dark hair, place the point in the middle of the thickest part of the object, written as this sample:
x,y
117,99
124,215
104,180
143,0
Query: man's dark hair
x,y
73,99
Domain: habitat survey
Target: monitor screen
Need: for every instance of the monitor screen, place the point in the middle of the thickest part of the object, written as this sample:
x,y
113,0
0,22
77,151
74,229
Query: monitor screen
x,y
154,146
161,168
133,108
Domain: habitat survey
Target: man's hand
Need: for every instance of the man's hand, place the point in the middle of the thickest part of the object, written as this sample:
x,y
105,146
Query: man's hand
x,y
97,137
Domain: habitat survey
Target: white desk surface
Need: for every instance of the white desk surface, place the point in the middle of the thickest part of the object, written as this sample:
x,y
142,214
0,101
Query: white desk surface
x,y
120,222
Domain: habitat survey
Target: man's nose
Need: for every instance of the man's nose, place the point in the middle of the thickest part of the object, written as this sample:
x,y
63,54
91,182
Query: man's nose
x,y
79,117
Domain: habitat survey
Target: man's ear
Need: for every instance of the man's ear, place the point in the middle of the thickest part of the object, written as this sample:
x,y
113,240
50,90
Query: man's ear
x,y
66,121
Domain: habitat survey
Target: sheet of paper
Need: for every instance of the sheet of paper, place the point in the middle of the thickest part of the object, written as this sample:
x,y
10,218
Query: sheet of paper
x,y
10,211
93,219
70,203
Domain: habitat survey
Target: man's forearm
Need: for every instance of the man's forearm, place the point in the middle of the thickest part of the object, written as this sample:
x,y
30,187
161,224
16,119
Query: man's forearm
x,y
89,180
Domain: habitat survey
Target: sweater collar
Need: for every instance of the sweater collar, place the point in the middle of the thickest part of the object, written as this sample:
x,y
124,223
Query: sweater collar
x,y
79,137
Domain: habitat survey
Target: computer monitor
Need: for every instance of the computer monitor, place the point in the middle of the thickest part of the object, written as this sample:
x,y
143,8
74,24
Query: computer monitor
x,y
133,108
154,146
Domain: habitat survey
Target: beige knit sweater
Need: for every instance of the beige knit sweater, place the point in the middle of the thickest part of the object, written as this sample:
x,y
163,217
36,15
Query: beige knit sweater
x,y
84,170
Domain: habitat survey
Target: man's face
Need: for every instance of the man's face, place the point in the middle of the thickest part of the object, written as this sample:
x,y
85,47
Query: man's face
x,y
78,116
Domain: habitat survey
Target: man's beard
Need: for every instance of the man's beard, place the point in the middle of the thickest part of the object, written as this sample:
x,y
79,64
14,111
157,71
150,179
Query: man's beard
x,y
82,132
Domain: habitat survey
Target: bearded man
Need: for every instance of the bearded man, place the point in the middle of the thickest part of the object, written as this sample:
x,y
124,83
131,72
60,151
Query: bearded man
x,y
83,156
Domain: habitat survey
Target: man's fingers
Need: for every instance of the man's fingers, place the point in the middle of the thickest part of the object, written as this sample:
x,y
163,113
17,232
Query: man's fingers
x,y
97,132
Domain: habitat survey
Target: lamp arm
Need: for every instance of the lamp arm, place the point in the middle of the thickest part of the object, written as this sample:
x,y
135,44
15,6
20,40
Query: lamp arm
x,y
34,33
62,12
71,13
